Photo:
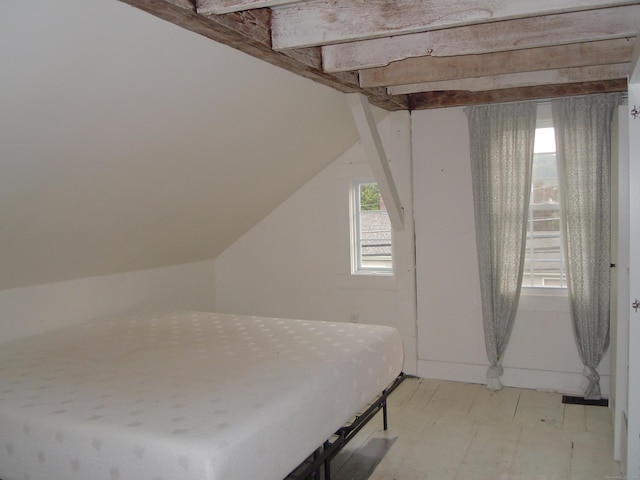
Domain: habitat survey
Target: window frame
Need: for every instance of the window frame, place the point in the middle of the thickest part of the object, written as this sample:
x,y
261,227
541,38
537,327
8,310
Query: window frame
x,y
544,120
357,267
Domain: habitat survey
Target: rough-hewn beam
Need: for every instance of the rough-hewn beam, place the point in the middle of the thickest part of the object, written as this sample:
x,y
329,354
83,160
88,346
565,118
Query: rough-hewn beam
x,y
249,32
186,4
228,6
432,69
320,22
516,34
428,100
522,79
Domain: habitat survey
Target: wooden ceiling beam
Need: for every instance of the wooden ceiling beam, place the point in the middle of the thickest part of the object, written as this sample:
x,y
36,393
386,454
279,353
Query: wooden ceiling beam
x,y
319,22
428,100
248,31
433,69
227,6
185,4
544,31
522,79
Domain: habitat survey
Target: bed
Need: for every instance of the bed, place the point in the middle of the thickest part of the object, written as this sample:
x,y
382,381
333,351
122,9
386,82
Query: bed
x,y
184,395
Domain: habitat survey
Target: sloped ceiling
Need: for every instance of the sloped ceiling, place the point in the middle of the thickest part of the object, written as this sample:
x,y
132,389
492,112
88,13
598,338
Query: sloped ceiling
x,y
127,142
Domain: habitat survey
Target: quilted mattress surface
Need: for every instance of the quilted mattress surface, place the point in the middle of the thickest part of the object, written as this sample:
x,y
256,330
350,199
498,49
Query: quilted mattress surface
x,y
184,395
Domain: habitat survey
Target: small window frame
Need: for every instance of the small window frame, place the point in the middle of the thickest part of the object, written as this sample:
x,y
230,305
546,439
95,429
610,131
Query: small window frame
x,y
358,265
545,120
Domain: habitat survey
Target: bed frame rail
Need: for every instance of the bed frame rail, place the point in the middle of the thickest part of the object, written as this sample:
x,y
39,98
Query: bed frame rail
x,y
311,468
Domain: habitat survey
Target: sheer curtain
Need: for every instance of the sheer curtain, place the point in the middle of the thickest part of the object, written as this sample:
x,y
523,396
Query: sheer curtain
x,y
501,140
583,146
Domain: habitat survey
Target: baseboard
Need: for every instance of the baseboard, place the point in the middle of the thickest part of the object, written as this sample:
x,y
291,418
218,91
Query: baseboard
x,y
563,382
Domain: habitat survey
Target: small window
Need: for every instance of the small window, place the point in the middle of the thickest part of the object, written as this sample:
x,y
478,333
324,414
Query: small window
x,y
371,245
544,257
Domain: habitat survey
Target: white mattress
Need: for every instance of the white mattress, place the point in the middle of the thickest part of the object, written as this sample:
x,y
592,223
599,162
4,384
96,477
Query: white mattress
x,y
184,395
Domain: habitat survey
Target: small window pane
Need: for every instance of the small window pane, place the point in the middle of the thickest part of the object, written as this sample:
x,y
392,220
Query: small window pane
x,y
544,256
372,246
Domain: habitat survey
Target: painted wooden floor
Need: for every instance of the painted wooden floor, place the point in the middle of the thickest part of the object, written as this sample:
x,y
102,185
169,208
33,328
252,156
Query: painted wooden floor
x,y
442,430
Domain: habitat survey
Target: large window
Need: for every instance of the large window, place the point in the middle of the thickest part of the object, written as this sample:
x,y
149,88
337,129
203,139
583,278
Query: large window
x,y
371,246
544,257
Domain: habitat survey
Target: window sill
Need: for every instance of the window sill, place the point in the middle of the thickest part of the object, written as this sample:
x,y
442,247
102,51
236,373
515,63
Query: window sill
x,y
368,281
544,292
537,299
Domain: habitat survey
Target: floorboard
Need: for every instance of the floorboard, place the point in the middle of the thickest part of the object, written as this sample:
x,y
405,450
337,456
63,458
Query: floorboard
x,y
441,430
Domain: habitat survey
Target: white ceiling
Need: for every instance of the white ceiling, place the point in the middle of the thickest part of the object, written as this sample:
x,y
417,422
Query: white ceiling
x,y
128,143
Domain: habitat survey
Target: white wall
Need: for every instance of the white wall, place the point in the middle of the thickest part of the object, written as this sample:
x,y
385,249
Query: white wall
x,y
30,310
295,263
542,353
123,138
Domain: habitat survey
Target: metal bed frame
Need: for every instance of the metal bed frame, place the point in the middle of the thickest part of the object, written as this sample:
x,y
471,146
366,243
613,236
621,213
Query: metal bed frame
x,y
311,468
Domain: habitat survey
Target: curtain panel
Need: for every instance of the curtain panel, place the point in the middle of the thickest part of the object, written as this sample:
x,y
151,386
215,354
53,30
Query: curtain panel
x,y
501,139
583,148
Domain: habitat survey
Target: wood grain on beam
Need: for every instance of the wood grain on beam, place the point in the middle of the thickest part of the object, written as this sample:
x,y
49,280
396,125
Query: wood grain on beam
x,y
318,22
523,79
228,6
523,33
249,33
428,100
432,69
186,4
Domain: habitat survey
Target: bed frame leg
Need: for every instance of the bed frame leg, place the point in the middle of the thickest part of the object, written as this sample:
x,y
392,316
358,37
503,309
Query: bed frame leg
x,y
384,414
316,455
327,463
320,461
